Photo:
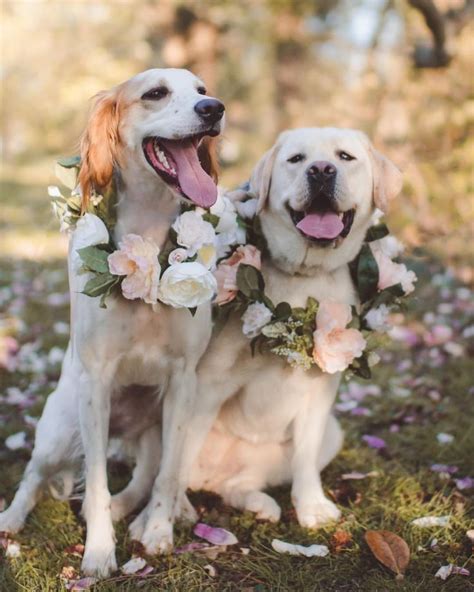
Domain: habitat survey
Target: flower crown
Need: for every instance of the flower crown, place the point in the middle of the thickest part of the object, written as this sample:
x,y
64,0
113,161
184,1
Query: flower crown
x,y
216,255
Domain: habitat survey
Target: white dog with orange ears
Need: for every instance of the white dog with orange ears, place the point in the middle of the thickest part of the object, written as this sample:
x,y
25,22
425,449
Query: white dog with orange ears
x,y
130,366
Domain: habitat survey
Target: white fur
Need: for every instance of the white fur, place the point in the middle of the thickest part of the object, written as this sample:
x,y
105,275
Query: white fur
x,y
259,422
127,344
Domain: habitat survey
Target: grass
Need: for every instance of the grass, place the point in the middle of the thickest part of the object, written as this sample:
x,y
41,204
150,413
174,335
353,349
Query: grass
x,y
404,488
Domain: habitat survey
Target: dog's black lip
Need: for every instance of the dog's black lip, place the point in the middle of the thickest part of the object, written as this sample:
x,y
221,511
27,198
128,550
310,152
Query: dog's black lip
x,y
347,219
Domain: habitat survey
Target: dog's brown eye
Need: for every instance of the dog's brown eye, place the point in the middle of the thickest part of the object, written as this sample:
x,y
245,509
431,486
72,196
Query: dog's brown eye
x,y
345,155
296,158
201,90
155,94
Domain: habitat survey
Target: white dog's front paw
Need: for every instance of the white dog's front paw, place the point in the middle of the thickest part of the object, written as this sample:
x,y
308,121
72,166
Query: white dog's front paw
x,y
11,522
264,506
158,538
99,561
317,514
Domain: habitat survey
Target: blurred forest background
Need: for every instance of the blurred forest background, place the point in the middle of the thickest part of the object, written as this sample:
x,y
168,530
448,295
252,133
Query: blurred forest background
x,y
276,64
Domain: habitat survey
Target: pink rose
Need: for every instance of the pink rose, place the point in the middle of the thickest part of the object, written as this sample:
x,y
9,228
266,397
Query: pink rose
x,y
335,347
391,273
226,272
138,260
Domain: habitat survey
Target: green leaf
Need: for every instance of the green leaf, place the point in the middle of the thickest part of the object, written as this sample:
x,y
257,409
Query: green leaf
x,y
100,284
367,274
193,310
376,232
282,311
250,279
69,162
94,259
360,367
211,218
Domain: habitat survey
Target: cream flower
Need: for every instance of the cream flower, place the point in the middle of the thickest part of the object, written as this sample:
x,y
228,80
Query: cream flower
x,y
137,259
391,273
377,318
335,347
187,285
255,317
89,231
177,256
226,272
193,232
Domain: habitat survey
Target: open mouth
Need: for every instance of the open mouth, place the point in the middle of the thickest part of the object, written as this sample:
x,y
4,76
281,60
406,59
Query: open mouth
x,y
177,163
323,227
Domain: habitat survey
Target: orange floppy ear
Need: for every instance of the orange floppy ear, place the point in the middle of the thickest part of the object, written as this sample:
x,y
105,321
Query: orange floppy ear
x,y
261,178
387,179
99,146
207,153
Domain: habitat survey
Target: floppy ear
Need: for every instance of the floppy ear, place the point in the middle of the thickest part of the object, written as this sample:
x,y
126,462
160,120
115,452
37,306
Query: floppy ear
x,y
207,154
99,146
387,179
261,178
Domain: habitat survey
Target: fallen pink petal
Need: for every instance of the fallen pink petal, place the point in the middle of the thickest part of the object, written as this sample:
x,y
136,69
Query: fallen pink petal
x,y
214,535
440,468
82,584
374,442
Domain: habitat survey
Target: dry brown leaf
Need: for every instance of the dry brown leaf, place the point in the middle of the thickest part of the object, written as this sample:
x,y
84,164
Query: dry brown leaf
x,y
340,540
390,549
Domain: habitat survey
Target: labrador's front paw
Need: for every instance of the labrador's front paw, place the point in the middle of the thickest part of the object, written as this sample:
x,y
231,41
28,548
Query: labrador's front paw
x,y
264,506
158,538
318,513
99,561
11,521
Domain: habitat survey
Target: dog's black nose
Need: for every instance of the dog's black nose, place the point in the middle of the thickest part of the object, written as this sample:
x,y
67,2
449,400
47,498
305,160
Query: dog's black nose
x,y
322,170
210,110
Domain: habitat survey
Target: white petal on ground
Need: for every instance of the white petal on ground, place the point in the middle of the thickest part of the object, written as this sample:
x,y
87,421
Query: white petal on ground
x,y
356,475
211,570
16,441
428,521
135,564
447,570
444,438
13,550
291,549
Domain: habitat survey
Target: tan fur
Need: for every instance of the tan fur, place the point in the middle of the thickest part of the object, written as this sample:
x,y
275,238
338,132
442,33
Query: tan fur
x,y
100,145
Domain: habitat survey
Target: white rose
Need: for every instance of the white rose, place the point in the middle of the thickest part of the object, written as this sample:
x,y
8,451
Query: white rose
x,y
255,317
187,285
177,256
390,246
228,230
247,209
193,232
377,318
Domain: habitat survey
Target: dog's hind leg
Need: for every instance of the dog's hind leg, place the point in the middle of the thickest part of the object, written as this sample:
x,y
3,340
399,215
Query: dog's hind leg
x,y
144,474
57,447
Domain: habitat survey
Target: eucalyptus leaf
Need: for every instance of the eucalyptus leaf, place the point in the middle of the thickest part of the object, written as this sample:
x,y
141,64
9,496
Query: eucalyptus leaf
x,y
94,259
100,284
249,279
69,162
376,232
367,274
282,311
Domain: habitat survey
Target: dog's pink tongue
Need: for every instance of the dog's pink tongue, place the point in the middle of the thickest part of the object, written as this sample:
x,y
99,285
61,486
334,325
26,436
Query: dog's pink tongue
x,y
193,179
327,225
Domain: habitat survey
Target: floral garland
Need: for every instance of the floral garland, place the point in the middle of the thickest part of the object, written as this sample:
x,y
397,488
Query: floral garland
x,y
179,275
217,255
331,335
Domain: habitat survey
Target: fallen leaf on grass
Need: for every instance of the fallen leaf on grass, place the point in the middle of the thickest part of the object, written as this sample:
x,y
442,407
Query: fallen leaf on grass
x,y
83,584
450,570
390,549
135,564
291,549
428,521
340,540
355,475
216,536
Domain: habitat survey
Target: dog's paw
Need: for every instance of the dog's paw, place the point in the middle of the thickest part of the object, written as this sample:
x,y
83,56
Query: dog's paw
x,y
185,510
317,514
158,538
11,522
264,506
137,526
99,562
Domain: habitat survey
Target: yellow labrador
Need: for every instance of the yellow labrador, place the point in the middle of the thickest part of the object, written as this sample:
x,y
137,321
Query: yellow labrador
x,y
260,422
